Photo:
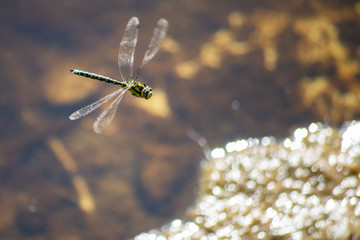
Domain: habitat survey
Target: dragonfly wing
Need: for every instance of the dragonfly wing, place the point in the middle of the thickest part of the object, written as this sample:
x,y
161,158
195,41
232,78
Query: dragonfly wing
x,y
106,116
158,36
127,49
91,107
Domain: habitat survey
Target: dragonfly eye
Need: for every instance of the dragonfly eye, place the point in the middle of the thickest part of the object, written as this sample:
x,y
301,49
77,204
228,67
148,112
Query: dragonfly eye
x,y
147,93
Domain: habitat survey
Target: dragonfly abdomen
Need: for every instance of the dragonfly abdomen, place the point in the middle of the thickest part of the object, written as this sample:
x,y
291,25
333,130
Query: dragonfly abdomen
x,y
97,77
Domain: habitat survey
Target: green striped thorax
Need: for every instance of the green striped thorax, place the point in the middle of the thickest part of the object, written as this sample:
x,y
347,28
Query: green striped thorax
x,y
141,90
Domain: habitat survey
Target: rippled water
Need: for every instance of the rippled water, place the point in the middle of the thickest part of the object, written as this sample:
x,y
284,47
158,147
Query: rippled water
x,y
230,70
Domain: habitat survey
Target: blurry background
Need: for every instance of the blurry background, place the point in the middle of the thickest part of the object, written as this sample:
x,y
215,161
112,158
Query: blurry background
x,y
228,69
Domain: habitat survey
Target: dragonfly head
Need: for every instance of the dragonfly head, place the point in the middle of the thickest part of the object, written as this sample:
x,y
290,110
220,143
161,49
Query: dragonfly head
x,y
147,92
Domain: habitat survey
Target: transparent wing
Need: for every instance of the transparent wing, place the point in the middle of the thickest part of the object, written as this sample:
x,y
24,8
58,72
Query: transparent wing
x,y
127,49
91,107
106,116
158,36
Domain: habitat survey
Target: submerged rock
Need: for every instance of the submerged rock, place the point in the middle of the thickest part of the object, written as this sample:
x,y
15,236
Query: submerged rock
x,y
306,186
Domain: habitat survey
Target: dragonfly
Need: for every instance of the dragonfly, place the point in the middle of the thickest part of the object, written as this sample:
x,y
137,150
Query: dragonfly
x,y
129,81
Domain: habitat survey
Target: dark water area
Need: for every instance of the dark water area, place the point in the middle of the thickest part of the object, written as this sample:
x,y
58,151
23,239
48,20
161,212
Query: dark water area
x,y
228,69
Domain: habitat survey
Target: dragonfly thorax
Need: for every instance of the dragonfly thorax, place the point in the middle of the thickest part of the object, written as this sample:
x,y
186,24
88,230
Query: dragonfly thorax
x,y
141,90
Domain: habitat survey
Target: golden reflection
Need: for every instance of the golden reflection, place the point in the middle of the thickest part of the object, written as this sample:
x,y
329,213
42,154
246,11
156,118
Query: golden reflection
x,y
357,8
270,56
71,89
348,69
238,48
327,100
210,56
63,155
158,105
213,52
222,38
319,41
86,201
236,19
267,27
170,45
187,70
